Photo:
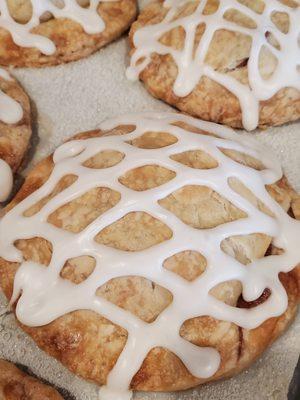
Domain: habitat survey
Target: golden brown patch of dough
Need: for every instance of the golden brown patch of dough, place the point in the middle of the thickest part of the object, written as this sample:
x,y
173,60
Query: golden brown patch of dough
x,y
146,177
228,53
16,385
79,213
138,295
198,159
104,159
187,264
153,140
72,43
136,231
89,345
201,207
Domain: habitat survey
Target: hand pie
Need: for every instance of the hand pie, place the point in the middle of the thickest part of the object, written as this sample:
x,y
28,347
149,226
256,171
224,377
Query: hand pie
x,y
235,62
40,33
16,385
15,130
156,253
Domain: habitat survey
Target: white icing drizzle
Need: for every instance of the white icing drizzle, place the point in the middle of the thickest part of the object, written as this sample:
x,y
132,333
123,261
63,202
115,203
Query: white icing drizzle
x,y
11,112
45,296
192,68
87,17
6,180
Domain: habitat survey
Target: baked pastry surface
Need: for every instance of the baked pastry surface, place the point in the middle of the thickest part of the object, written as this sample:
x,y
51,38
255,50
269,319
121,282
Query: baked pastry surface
x,y
16,385
229,65
15,124
89,344
71,41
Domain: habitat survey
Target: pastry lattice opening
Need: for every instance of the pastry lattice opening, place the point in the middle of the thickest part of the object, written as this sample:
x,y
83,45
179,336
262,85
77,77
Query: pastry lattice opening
x,y
104,159
135,231
141,297
195,159
188,264
146,177
153,140
36,249
79,213
78,269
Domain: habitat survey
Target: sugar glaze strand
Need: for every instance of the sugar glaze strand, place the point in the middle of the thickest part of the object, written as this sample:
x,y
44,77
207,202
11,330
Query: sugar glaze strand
x,y
11,112
41,302
192,68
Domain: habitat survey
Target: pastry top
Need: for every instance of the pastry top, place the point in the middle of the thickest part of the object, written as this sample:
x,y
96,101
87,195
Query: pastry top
x,y
246,50
15,130
157,226
35,33
16,385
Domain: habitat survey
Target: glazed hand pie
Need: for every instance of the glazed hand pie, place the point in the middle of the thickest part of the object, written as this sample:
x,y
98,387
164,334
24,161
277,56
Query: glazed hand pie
x,y
15,130
234,62
16,385
156,253
36,33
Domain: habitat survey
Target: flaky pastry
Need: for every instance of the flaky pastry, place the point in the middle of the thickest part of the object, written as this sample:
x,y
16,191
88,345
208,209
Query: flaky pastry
x,y
234,62
157,253
36,34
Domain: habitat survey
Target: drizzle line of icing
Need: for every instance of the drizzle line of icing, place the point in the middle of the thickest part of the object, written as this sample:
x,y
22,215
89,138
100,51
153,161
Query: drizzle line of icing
x,y
192,68
10,110
87,17
42,289
6,180
10,113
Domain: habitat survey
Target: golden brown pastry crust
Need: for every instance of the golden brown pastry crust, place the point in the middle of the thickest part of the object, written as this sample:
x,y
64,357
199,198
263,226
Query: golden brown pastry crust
x,y
16,385
209,100
89,345
71,41
14,139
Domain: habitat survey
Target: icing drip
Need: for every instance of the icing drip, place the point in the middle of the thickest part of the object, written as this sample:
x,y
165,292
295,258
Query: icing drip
x,y
10,110
87,17
41,289
192,68
6,180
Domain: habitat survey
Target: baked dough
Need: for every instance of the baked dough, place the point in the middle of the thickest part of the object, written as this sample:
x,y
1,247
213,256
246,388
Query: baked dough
x,y
221,92
70,39
15,124
86,342
16,385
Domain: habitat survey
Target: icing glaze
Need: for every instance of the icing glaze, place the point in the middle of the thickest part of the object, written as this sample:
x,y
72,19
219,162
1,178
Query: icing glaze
x,y
87,17
191,68
41,289
6,180
11,112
